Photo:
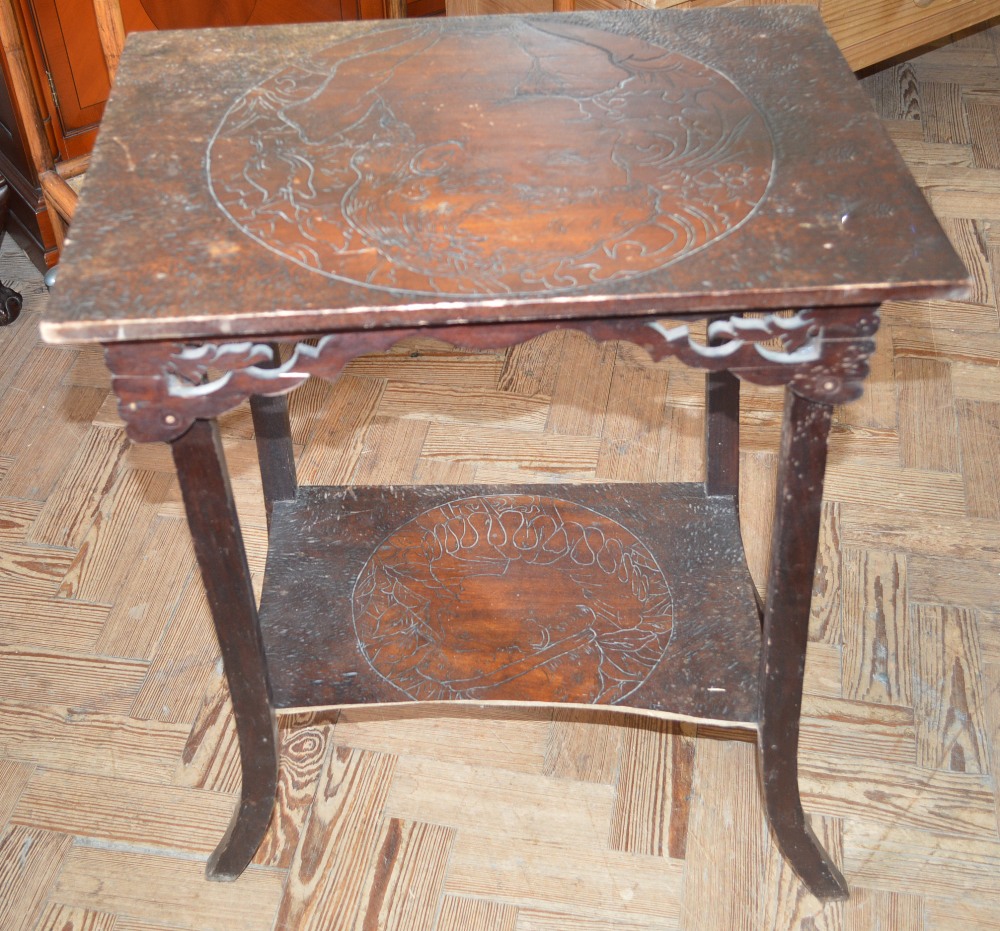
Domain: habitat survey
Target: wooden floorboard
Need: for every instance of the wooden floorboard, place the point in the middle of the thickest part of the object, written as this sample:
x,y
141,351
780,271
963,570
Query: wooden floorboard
x,y
118,758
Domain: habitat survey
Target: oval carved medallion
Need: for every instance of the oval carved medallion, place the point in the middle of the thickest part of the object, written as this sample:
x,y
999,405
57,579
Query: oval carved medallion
x,y
513,597
502,159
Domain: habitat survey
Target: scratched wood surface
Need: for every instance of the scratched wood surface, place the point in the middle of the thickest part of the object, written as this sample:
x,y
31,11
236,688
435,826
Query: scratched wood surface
x,y
117,758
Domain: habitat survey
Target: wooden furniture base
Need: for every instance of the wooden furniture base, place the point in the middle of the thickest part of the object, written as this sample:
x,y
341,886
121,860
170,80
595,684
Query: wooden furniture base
x,y
483,181
618,595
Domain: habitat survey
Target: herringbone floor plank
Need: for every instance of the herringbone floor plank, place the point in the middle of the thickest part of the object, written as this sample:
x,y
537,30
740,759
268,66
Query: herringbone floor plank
x,y
117,753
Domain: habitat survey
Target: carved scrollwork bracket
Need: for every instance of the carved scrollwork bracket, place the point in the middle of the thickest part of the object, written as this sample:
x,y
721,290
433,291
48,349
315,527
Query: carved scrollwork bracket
x,y
823,355
163,387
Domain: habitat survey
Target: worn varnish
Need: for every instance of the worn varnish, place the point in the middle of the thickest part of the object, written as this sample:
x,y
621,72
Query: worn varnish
x,y
330,198
532,594
694,205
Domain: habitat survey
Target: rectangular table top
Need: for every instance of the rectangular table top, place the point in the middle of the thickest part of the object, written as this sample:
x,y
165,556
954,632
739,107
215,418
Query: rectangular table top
x,y
297,179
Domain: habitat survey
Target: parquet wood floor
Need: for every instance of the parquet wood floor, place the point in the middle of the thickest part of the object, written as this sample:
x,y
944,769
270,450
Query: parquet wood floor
x,y
116,751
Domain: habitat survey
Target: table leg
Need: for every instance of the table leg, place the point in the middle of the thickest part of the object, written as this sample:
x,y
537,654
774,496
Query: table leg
x,y
274,450
722,434
218,544
794,542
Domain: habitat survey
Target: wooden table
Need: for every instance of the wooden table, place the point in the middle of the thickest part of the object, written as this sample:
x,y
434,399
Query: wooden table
x,y
341,187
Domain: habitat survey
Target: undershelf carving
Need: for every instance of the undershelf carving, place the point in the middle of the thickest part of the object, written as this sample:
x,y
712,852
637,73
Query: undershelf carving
x,y
164,387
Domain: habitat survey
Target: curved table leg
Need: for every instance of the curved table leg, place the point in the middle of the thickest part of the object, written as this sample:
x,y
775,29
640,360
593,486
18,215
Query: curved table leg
x,y
218,543
786,632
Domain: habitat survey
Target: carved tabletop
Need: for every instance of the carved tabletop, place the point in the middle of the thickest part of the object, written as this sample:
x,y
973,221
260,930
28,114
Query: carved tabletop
x,y
497,168
339,187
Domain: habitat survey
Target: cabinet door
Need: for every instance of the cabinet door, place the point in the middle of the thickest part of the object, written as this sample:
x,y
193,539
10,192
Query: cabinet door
x,y
74,65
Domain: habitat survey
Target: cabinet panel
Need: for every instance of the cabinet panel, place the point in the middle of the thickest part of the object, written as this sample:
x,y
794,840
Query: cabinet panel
x,y
72,55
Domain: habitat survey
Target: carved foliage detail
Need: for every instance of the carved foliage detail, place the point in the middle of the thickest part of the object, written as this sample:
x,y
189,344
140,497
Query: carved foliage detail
x,y
372,182
511,596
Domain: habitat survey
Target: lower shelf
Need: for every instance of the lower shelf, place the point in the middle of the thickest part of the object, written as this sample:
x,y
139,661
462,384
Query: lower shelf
x,y
635,596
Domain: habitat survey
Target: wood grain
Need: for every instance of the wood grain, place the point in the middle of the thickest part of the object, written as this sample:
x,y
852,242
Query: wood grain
x,y
581,390
183,667
150,597
331,865
336,431
900,859
30,860
949,703
87,683
67,517
899,794
65,918
927,429
584,745
886,911
406,884
153,887
589,883
508,806
979,430
512,739
210,759
517,807
391,450
467,914
952,580
728,839
305,748
117,745
832,726
101,566
123,810
654,789
58,429
876,638
633,428
827,602
14,776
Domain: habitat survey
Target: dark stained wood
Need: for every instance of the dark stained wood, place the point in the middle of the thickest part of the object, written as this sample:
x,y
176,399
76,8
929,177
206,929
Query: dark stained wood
x,y
467,109
163,387
273,434
722,431
609,594
350,186
215,530
795,537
